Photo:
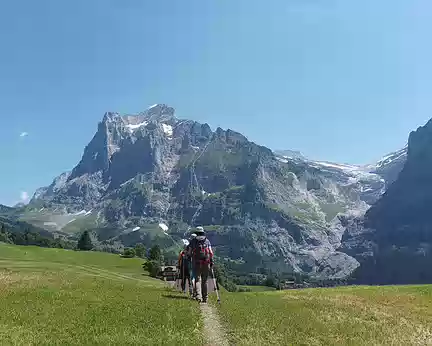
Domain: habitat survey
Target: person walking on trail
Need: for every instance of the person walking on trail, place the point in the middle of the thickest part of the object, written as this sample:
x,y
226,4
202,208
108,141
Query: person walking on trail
x,y
202,260
192,269
184,269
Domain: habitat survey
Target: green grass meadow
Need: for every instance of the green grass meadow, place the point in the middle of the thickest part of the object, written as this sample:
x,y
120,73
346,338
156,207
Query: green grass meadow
x,y
393,315
256,288
63,297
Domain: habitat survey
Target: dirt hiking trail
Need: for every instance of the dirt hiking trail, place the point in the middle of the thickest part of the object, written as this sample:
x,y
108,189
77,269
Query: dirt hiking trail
x,y
214,333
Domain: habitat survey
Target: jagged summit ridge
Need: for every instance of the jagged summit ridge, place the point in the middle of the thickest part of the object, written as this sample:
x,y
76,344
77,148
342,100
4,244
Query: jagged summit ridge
x,y
118,134
129,124
155,112
124,146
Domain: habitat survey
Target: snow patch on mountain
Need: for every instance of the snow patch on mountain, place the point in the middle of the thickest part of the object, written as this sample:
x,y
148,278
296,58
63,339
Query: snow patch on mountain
x,y
83,212
389,159
370,181
335,165
354,173
133,127
164,227
282,159
168,129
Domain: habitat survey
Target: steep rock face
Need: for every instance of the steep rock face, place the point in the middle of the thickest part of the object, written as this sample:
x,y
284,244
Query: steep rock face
x,y
139,170
260,209
394,239
403,210
50,191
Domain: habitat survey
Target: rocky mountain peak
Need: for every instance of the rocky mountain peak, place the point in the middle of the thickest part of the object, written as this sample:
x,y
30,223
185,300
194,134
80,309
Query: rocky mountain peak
x,y
109,116
52,189
419,146
411,189
159,112
141,169
117,131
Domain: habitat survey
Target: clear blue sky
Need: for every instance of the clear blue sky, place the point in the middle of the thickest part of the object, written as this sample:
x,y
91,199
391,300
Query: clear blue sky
x,y
336,79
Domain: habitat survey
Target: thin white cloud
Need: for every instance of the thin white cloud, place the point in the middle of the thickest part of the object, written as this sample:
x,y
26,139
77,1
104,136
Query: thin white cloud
x,y
24,134
24,197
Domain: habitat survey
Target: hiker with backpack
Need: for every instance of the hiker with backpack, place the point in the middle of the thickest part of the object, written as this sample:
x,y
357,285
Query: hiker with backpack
x,y
184,269
202,261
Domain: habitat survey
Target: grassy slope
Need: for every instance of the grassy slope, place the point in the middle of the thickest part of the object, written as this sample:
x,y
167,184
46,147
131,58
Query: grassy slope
x,y
60,297
52,296
257,288
341,316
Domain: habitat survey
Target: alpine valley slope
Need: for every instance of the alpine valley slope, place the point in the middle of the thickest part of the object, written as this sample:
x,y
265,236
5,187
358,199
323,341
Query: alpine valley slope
x,y
261,209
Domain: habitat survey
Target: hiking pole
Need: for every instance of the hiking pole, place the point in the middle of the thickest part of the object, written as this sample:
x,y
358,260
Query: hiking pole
x,y
183,282
194,284
215,285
